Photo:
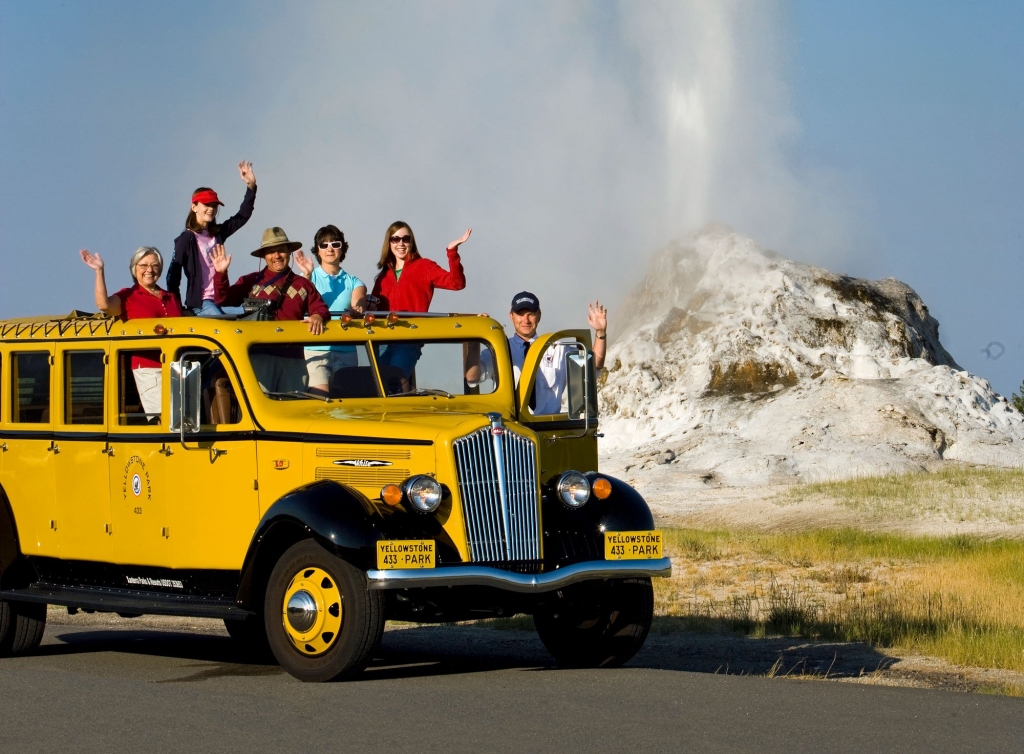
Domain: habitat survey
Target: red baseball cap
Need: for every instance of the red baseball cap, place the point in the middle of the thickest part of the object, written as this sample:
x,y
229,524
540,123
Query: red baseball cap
x,y
206,197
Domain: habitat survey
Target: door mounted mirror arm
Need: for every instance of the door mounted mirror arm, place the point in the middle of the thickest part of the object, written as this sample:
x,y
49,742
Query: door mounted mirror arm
x,y
186,392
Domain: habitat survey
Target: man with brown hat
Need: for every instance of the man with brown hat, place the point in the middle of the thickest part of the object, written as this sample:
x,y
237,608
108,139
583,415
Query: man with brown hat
x,y
291,296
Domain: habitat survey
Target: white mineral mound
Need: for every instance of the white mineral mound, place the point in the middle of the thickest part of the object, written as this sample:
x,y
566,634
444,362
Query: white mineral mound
x,y
735,366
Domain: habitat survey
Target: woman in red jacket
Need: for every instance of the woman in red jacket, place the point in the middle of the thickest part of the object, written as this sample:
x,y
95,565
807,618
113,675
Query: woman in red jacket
x,y
406,283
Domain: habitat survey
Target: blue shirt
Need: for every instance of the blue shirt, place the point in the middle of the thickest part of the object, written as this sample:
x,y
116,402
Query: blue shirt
x,y
336,291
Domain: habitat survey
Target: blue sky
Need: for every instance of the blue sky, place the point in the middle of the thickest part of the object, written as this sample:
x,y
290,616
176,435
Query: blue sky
x,y
895,131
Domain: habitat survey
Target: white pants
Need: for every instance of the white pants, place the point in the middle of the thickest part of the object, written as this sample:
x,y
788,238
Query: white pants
x,y
148,381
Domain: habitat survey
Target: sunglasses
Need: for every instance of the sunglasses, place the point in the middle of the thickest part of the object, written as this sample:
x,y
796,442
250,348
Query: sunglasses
x,y
401,239
330,244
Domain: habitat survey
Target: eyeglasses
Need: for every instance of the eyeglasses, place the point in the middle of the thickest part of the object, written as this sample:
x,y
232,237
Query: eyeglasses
x,y
330,244
148,267
401,239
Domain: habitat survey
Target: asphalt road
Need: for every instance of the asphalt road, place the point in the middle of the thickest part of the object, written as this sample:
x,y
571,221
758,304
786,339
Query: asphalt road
x,y
96,688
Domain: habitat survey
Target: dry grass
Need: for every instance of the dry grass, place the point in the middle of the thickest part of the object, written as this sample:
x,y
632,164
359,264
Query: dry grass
x,y
955,493
958,598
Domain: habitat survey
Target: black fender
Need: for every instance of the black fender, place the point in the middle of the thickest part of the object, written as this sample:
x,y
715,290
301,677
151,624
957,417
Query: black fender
x,y
575,535
341,519
15,572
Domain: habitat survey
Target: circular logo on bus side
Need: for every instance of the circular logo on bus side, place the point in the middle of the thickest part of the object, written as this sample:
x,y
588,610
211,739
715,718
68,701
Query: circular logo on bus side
x,y
137,485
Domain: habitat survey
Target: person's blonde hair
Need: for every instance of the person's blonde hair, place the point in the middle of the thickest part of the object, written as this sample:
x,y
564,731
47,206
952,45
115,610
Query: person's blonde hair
x,y
141,253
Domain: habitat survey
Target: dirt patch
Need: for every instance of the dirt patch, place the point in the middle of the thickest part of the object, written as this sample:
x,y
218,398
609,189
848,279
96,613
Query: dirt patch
x,y
740,378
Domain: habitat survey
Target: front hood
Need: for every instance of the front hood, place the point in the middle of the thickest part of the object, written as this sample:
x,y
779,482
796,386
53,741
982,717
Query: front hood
x,y
391,426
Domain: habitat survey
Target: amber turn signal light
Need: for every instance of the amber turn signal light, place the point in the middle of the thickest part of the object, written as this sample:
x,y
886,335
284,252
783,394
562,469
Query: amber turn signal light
x,y
160,330
391,494
346,318
392,318
369,318
601,488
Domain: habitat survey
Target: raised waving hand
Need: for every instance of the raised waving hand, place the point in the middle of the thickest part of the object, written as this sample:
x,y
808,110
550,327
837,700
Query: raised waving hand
x,y
304,263
245,171
462,240
220,259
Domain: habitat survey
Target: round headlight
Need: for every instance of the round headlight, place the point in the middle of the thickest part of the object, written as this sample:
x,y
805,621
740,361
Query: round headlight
x,y
423,493
573,489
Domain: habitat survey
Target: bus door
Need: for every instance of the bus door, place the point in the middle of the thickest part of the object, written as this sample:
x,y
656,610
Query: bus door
x,y
30,458
138,444
215,508
82,473
557,398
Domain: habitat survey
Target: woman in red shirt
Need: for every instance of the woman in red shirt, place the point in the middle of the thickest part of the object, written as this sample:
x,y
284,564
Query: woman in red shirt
x,y
406,283
143,300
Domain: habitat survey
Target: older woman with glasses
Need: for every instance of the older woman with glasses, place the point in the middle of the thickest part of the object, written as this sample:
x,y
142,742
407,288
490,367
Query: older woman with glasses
x,y
143,300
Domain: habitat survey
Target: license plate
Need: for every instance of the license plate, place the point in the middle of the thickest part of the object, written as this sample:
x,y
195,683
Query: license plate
x,y
633,545
405,553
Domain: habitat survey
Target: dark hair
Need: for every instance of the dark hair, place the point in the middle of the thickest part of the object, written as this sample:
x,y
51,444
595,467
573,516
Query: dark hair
x,y
192,224
387,258
329,233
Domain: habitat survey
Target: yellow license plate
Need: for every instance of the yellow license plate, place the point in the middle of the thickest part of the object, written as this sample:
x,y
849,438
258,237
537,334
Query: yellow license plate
x,y
405,553
633,545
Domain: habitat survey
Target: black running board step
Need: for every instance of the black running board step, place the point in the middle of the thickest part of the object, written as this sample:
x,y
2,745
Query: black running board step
x,y
128,601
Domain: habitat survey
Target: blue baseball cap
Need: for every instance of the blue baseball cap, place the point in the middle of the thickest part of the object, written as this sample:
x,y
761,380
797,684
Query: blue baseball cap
x,y
525,302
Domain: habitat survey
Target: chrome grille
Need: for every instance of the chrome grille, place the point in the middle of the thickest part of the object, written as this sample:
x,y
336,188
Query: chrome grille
x,y
497,473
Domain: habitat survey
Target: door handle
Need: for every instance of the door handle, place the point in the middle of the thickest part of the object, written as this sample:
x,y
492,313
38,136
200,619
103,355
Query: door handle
x,y
54,448
107,449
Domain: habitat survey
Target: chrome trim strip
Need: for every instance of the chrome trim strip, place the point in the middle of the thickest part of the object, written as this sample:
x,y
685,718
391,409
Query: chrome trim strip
x,y
471,575
497,443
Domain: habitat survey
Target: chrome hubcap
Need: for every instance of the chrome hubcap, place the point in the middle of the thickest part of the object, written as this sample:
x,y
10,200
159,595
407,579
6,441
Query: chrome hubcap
x,y
302,611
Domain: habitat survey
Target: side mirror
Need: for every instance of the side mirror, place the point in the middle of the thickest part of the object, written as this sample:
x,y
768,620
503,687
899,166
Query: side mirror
x,y
576,382
186,396
581,386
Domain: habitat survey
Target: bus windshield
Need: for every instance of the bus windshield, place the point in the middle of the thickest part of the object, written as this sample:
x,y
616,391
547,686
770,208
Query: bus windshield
x,y
395,369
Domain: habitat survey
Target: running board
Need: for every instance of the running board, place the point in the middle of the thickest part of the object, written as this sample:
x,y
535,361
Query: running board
x,y
127,601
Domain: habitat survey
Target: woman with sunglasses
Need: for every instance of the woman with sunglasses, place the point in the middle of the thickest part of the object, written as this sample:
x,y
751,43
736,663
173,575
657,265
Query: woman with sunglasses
x,y
193,249
406,283
341,291
143,300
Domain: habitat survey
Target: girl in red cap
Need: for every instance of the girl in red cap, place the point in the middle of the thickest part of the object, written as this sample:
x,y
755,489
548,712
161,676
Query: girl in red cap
x,y
193,248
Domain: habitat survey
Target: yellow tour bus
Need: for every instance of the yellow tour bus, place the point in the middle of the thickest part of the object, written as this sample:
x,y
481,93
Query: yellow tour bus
x,y
306,488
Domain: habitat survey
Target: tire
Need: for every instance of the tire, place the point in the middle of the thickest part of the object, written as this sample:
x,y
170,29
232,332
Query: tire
x,y
21,627
597,624
345,621
250,635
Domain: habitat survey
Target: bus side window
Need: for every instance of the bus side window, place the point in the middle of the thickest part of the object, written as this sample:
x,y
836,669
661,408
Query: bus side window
x,y
139,387
219,404
83,387
30,387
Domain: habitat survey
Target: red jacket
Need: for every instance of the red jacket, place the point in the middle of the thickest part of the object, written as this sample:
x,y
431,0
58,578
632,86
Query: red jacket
x,y
295,295
414,290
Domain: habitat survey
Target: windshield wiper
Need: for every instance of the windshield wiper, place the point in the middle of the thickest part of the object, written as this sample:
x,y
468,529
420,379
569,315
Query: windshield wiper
x,y
297,394
423,391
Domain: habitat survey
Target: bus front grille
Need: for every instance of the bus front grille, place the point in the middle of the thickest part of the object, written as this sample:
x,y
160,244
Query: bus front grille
x,y
497,472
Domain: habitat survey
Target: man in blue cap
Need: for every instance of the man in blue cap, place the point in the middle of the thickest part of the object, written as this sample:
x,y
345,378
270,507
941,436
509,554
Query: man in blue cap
x,y
549,388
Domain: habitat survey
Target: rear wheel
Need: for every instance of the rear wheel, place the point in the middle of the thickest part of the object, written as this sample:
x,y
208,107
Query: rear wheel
x,y
597,624
322,623
21,626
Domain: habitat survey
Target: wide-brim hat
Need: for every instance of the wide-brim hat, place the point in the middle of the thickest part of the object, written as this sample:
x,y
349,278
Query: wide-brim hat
x,y
274,237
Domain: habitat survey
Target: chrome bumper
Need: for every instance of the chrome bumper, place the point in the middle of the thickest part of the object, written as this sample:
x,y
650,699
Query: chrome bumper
x,y
471,575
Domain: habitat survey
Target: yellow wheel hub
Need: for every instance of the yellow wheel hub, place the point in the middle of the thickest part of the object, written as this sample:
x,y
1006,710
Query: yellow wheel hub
x,y
312,611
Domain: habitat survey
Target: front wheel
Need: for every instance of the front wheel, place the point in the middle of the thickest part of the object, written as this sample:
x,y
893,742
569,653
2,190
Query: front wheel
x,y
597,624
21,626
322,622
